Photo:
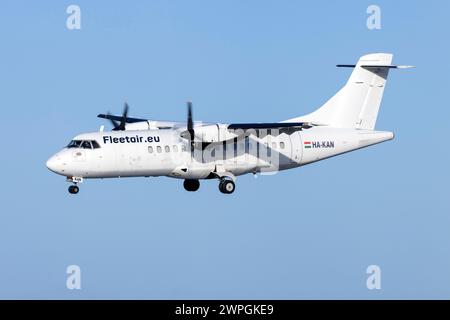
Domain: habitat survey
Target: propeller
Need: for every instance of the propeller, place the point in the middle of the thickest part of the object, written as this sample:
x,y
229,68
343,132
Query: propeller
x,y
190,127
120,126
115,124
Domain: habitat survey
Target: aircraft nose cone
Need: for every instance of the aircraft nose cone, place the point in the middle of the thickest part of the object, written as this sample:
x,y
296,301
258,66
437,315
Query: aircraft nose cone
x,y
53,164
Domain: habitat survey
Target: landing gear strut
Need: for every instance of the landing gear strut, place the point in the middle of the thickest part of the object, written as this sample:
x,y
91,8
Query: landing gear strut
x,y
74,189
226,186
191,184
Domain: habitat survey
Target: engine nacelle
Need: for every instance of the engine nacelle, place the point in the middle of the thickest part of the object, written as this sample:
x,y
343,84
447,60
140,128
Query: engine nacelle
x,y
214,133
137,126
208,133
150,125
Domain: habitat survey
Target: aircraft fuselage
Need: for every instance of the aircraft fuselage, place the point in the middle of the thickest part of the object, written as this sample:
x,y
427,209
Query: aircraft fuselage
x,y
165,153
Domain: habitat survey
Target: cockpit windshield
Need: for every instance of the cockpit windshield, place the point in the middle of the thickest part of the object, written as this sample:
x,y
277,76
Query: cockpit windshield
x,y
74,144
84,144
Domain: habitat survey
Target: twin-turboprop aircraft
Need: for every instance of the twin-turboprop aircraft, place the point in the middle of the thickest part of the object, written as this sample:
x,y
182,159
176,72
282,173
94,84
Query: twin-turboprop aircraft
x,y
193,151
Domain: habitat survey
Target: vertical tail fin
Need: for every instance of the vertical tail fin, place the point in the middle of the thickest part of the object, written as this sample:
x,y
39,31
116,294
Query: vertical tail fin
x,y
357,104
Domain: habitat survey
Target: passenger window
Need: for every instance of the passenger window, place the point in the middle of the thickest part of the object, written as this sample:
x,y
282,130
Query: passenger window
x,y
86,145
175,148
282,145
159,149
95,144
150,149
167,148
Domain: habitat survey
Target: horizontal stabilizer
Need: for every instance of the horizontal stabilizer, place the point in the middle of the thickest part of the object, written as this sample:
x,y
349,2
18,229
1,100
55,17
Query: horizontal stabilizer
x,y
368,66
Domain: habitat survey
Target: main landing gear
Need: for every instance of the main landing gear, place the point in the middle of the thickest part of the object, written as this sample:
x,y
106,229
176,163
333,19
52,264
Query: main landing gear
x,y
226,186
191,184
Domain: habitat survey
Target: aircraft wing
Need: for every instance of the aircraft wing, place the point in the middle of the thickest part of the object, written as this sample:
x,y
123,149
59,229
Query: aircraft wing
x,y
269,125
120,118
276,128
272,128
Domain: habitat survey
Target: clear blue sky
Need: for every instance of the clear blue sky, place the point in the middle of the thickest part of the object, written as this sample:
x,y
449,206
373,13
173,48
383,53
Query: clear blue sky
x,y
305,233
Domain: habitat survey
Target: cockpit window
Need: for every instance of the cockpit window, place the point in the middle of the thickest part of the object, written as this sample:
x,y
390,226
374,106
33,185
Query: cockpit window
x,y
86,144
95,144
74,144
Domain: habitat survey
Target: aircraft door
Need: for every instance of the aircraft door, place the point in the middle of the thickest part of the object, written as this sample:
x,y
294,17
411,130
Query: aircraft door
x,y
296,147
284,150
95,158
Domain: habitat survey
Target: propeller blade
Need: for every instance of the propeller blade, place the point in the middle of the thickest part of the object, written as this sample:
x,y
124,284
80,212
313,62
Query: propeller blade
x,y
190,127
190,123
124,117
115,124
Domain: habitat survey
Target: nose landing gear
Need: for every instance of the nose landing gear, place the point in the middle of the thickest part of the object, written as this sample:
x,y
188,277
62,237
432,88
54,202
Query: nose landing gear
x,y
74,189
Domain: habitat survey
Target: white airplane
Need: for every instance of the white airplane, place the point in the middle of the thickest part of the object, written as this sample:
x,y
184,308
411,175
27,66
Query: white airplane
x,y
192,151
